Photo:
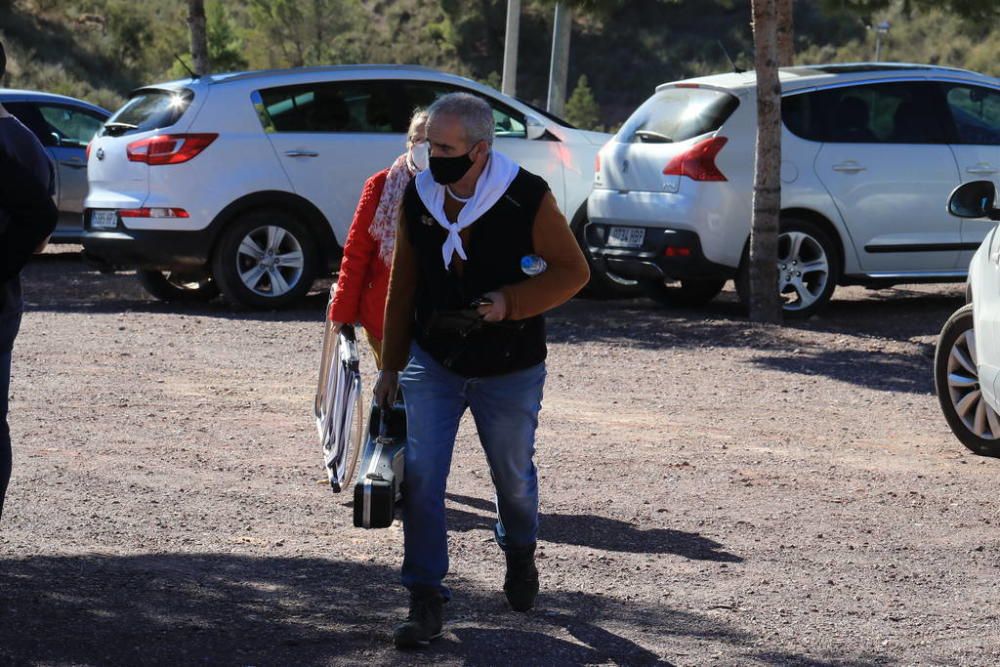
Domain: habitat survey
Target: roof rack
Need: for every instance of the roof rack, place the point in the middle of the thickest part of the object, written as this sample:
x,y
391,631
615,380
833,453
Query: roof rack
x,y
842,68
317,69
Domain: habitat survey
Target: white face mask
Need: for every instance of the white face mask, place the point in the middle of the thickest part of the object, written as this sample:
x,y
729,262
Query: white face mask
x,y
419,155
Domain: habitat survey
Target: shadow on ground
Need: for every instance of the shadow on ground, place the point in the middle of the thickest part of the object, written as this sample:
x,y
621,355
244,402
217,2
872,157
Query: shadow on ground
x,y
62,282
223,609
887,371
596,532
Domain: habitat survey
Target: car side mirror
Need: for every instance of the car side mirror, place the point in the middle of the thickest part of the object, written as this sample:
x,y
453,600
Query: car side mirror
x,y
534,127
974,200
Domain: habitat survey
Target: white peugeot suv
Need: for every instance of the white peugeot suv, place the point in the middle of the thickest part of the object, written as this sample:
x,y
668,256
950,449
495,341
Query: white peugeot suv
x,y
247,183
869,152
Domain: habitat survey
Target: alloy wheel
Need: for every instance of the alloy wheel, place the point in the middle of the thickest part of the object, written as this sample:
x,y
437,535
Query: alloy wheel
x,y
270,261
803,270
965,392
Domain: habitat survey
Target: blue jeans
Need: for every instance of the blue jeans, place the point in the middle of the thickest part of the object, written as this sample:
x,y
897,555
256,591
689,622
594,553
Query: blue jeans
x,y
505,409
10,322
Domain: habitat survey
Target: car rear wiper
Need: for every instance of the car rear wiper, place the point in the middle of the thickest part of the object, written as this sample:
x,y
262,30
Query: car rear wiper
x,y
650,137
118,128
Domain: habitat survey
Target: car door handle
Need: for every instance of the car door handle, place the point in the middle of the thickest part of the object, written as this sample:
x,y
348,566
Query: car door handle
x,y
73,164
849,167
982,168
301,153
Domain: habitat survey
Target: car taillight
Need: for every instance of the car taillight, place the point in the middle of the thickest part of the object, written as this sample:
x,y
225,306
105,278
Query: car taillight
x,y
698,162
168,148
597,163
153,213
86,153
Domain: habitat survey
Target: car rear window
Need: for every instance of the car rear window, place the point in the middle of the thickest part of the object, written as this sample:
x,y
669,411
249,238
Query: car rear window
x,y
149,110
678,114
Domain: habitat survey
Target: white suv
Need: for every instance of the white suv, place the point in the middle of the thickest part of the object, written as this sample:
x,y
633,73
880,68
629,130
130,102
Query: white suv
x,y
967,360
248,182
869,152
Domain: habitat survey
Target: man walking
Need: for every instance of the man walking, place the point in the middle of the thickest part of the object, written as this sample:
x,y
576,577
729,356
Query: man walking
x,y
27,217
464,329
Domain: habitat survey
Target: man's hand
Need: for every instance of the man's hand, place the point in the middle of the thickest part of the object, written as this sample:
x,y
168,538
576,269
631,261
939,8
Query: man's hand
x,y
385,388
337,326
495,311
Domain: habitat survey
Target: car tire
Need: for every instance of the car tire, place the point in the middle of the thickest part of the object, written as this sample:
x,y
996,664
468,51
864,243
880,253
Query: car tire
x,y
800,243
956,383
265,259
689,294
178,287
602,284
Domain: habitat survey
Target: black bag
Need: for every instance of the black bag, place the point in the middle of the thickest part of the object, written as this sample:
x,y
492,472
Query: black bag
x,y
379,487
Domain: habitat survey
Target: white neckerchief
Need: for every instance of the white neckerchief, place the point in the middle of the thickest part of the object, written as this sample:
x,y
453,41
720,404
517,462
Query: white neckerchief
x,y
492,184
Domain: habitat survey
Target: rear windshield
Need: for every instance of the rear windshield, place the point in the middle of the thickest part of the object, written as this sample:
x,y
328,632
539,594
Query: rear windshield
x,y
149,110
678,114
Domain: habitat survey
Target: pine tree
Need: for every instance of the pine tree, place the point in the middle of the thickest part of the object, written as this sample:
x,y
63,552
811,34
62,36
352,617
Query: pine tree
x,y
582,109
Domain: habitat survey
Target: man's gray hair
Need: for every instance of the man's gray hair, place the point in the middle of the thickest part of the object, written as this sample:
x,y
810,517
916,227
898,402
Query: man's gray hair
x,y
474,113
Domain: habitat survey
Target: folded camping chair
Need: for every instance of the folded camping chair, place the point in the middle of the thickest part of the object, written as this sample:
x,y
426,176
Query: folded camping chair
x,y
338,408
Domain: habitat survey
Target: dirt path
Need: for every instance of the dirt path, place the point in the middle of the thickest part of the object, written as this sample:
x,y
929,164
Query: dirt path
x,y
712,494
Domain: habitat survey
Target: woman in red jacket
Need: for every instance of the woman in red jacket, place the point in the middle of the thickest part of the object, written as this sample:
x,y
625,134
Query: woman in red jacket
x,y
359,295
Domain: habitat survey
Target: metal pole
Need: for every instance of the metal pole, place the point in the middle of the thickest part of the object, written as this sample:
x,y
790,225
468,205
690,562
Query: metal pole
x,y
881,29
559,70
509,84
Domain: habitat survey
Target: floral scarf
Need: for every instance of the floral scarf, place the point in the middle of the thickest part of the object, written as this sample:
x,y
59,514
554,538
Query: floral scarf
x,y
383,227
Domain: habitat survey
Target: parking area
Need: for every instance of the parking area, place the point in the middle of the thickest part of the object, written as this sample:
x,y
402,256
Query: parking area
x,y
712,493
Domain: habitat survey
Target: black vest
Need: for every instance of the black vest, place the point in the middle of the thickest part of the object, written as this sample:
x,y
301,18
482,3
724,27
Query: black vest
x,y
497,242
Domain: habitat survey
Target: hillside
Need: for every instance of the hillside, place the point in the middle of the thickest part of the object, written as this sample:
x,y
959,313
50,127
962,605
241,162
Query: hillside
x,y
100,49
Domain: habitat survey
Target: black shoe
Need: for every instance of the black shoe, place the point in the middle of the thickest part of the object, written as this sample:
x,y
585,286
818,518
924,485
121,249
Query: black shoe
x,y
521,583
423,623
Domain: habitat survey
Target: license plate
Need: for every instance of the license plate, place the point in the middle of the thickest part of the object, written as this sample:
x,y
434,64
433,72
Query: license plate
x,y
626,237
103,219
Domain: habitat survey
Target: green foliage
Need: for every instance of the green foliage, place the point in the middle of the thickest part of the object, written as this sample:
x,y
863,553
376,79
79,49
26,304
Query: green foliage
x,y
600,8
304,32
933,36
225,47
971,10
129,30
493,79
581,107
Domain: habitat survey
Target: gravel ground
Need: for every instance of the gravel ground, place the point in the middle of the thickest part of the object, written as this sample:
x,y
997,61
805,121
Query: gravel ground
x,y
712,494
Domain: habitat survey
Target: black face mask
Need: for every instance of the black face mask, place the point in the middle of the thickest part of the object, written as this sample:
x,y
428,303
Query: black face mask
x,y
447,170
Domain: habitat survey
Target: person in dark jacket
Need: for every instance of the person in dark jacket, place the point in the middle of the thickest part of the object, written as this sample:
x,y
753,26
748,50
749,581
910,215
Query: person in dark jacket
x,y
464,328
27,218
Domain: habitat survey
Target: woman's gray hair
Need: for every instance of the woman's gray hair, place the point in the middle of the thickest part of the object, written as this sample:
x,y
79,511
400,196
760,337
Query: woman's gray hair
x,y
474,113
419,116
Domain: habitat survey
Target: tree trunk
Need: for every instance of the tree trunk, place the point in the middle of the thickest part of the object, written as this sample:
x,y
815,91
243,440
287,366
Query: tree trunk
x,y
199,36
765,304
786,33
318,17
